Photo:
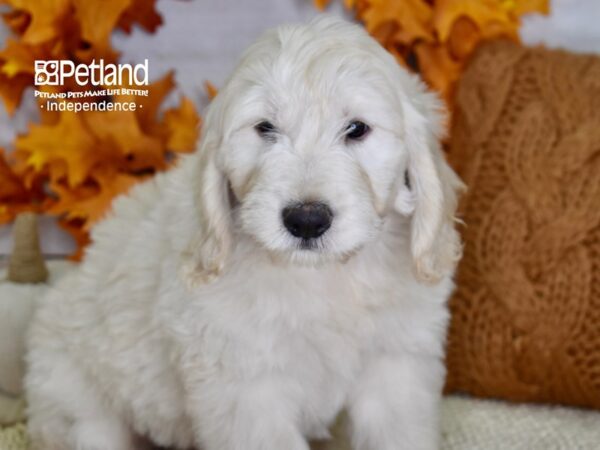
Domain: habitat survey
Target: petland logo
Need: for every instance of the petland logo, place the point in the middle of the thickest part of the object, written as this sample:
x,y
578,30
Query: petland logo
x,y
103,83
54,73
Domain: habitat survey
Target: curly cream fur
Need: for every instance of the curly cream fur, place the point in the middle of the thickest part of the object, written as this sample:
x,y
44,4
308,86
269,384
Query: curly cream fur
x,y
196,319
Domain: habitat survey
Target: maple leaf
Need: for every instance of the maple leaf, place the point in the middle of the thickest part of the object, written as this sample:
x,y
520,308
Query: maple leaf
x,y
5,215
529,6
148,106
481,12
121,131
413,18
69,140
321,4
11,90
73,165
97,20
81,207
15,196
11,186
18,58
90,202
142,12
182,127
17,21
439,69
8,212
464,37
436,37
210,89
80,236
45,17
16,71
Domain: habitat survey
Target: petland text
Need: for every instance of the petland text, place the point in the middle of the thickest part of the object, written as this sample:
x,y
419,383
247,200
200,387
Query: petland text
x,y
103,83
55,72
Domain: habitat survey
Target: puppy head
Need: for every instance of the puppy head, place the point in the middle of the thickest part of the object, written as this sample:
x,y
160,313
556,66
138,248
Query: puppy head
x,y
316,139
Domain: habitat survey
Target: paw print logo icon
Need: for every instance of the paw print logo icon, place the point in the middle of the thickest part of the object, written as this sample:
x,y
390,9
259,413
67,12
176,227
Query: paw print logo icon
x,y
46,73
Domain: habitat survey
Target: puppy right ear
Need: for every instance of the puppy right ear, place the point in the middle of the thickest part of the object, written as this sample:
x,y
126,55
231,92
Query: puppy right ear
x,y
430,194
205,257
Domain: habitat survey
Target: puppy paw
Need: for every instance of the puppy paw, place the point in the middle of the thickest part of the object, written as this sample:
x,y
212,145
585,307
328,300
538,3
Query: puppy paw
x,y
100,435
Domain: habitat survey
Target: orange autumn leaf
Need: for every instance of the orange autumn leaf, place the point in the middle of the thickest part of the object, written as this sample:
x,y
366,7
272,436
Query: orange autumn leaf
x,y
463,38
439,69
182,126
142,12
11,90
45,16
25,172
73,165
321,4
79,235
90,202
17,21
149,106
413,18
530,6
121,130
16,71
211,90
97,20
15,195
437,37
112,184
69,141
18,58
6,215
11,186
481,12
66,29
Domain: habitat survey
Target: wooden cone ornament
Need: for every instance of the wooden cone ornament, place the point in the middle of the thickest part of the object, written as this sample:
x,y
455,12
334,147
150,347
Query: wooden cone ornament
x,y
27,263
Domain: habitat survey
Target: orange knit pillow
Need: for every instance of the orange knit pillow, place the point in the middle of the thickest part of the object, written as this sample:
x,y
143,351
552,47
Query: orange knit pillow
x,y
526,312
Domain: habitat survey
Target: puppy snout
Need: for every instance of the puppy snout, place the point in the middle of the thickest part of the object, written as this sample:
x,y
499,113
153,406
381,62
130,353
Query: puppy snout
x,y
307,220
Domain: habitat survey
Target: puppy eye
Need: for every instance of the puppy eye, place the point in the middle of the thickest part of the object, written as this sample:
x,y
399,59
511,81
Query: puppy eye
x,y
265,128
357,130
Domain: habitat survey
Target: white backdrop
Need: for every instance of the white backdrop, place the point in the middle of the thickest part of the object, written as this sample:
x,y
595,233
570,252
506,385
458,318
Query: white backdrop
x,y
202,39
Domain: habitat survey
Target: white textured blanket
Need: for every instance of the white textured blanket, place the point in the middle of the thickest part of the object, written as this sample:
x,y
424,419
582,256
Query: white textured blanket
x,y
470,424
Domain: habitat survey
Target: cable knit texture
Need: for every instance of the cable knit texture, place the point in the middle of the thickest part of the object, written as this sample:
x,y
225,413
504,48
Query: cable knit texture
x,y
526,312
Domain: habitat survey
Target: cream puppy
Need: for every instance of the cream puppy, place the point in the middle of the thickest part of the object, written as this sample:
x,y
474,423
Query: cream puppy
x,y
296,265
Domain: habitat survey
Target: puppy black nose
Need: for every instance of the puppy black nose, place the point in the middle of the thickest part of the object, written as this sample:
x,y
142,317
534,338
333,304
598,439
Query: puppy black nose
x,y
307,220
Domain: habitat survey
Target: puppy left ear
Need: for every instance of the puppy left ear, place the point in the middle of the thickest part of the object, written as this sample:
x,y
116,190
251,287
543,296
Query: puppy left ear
x,y
430,193
205,256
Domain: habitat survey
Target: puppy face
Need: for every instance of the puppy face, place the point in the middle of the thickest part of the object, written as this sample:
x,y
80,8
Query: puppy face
x,y
311,162
313,137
